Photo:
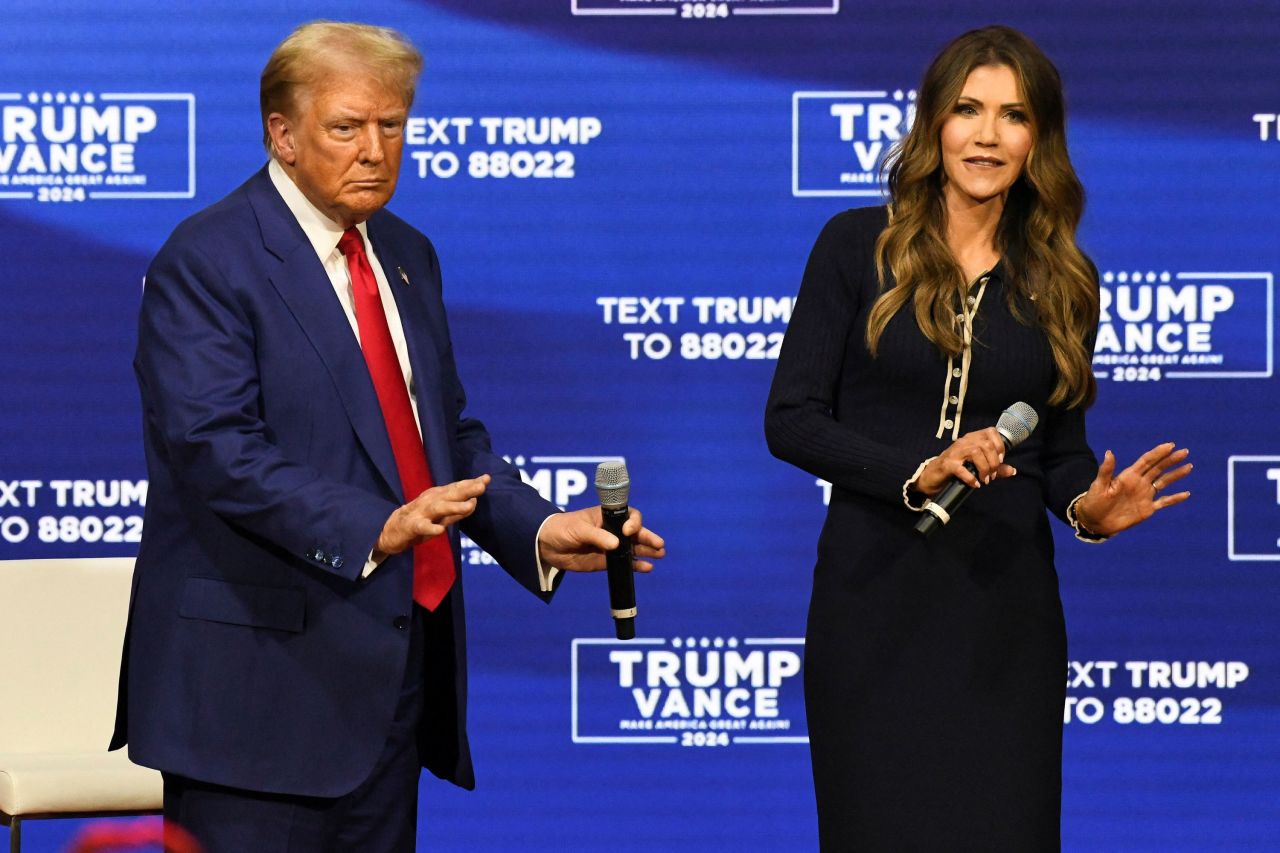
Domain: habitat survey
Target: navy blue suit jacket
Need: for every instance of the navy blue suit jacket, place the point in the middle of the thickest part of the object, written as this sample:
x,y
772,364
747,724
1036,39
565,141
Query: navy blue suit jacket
x,y
256,656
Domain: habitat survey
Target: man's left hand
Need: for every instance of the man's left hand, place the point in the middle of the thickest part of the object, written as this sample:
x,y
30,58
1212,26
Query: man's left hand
x,y
577,541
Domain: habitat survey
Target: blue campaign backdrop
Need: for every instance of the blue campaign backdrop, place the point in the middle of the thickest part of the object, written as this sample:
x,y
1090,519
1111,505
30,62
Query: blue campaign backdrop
x,y
623,195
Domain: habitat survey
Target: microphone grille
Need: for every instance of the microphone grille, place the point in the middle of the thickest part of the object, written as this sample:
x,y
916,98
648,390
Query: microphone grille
x,y
612,484
1017,422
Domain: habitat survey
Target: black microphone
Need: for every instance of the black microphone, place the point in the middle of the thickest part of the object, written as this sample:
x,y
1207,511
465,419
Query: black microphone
x,y
1014,425
613,487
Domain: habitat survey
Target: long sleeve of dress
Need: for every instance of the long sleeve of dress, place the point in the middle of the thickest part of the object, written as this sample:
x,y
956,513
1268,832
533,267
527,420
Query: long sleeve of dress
x,y
800,423
1068,462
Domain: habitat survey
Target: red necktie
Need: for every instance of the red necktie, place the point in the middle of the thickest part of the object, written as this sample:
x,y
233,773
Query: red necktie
x,y
433,572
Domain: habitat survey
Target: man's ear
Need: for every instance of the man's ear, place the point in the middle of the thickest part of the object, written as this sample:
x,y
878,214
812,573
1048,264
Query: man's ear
x,y
280,129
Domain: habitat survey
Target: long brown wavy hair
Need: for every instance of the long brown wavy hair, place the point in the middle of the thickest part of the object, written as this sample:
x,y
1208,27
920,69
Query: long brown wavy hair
x,y
1036,233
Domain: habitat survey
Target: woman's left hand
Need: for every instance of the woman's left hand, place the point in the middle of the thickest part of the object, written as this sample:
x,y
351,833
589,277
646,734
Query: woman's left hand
x,y
1116,502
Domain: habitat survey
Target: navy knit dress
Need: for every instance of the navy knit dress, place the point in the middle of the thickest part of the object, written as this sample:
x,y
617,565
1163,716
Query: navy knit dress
x,y
935,670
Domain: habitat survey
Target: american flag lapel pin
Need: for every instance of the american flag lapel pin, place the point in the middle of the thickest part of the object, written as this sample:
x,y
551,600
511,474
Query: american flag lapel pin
x,y
403,276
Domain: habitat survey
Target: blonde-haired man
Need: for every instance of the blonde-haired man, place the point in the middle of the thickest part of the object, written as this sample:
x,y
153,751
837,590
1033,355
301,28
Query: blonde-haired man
x,y
296,647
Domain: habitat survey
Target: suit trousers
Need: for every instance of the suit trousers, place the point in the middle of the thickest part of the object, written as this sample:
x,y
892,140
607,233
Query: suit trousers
x,y
380,815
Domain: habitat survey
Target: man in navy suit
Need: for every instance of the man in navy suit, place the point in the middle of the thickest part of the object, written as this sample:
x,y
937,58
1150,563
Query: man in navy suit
x,y
276,667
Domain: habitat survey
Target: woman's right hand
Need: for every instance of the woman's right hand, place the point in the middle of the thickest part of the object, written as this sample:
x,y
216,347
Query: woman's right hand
x,y
984,448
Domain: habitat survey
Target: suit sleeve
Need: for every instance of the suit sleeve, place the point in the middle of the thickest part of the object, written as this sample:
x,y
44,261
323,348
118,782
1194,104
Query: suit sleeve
x,y
198,376
509,515
800,423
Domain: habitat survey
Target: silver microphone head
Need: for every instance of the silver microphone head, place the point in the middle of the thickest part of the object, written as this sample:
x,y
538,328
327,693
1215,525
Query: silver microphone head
x,y
1016,423
612,484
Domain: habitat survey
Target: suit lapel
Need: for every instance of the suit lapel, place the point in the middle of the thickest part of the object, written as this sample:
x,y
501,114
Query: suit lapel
x,y
305,288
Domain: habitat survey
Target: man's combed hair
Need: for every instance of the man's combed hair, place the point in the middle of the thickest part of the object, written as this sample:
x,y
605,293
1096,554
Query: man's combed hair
x,y
321,48
1036,233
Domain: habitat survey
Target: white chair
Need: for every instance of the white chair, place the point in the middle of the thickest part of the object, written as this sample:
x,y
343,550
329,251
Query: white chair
x,y
61,630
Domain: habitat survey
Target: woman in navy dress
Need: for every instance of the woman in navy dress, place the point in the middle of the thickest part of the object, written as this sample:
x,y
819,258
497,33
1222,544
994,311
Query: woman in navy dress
x,y
936,667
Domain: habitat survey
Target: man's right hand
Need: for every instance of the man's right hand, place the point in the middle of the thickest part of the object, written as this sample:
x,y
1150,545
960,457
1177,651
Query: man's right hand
x,y
429,514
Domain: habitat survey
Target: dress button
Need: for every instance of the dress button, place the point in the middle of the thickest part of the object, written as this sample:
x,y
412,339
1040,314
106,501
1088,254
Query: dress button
x,y
959,318
972,300
954,400
337,562
955,371
400,623
949,424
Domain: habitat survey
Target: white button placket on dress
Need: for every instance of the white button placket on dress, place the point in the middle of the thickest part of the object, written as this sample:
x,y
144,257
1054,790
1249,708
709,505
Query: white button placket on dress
x,y
956,384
